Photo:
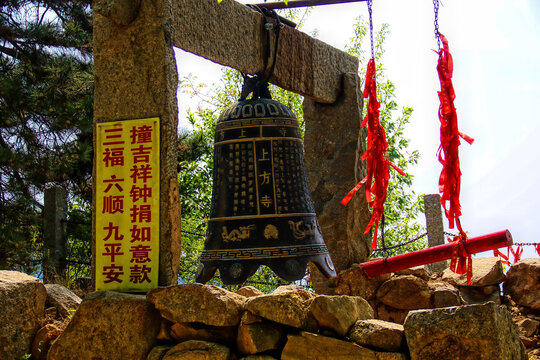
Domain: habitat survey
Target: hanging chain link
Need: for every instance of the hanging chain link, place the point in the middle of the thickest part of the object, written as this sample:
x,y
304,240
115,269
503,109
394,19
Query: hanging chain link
x,y
436,23
369,5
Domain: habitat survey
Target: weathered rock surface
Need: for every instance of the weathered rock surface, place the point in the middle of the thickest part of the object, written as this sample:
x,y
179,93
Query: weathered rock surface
x,y
480,295
354,282
318,347
249,291
22,300
259,337
287,308
378,334
42,341
258,357
158,352
123,12
63,299
523,283
529,327
333,162
418,271
197,350
405,292
107,325
486,271
181,332
467,332
387,313
206,304
444,295
339,313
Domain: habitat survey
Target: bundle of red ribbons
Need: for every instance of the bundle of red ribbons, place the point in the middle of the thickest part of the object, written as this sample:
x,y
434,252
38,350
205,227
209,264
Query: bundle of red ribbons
x,y
376,155
450,179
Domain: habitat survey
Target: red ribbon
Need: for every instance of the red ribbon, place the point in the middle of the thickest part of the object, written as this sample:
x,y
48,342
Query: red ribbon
x,y
517,253
376,155
461,261
504,258
537,247
450,178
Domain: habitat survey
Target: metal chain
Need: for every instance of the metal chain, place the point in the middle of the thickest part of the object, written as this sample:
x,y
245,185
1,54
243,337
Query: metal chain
x,y
369,5
436,23
402,244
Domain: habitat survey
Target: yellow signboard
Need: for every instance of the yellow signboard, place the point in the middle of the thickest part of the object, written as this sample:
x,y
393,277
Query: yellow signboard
x,y
127,205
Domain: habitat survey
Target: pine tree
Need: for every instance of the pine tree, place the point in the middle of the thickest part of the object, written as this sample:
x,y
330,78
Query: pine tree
x,y
46,87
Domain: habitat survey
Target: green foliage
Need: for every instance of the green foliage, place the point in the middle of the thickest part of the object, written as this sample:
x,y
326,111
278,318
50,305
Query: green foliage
x,y
402,205
46,90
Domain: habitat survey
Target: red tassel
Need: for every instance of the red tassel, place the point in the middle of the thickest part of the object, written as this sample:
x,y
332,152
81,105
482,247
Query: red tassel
x,y
461,261
376,156
450,178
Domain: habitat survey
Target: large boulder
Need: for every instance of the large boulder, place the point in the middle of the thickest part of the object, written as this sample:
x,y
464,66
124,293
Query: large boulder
x,y
285,307
197,350
523,283
109,325
22,300
378,334
405,292
318,347
63,299
339,313
468,332
485,271
206,304
354,282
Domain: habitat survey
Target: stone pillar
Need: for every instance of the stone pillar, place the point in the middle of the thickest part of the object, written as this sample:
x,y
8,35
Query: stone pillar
x,y
334,143
435,229
54,239
136,77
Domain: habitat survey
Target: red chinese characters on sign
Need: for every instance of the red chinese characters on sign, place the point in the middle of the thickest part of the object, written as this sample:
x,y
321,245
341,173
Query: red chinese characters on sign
x,y
128,182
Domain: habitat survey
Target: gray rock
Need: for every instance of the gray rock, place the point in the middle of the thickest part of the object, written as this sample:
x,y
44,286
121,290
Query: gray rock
x,y
22,300
123,12
197,350
339,313
523,283
106,326
444,295
405,292
485,271
467,332
318,347
378,334
287,308
206,304
333,163
64,300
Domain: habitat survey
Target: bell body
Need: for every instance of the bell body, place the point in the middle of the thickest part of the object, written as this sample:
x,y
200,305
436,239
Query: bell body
x,y
262,212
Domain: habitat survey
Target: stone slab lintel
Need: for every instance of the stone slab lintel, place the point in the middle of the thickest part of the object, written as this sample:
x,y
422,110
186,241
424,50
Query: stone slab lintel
x,y
232,34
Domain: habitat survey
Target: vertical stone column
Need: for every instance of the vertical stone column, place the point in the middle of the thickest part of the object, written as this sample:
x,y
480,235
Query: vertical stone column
x,y
334,143
54,239
435,229
136,77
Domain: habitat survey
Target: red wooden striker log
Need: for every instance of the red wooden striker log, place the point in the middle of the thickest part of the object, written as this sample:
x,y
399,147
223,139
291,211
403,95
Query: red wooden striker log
x,y
437,253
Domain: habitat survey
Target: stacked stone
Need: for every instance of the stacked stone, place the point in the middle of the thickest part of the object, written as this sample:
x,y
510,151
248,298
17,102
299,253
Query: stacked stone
x,y
195,321
393,296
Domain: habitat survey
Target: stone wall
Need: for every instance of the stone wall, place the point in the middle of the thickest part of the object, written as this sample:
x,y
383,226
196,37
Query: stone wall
x,y
196,321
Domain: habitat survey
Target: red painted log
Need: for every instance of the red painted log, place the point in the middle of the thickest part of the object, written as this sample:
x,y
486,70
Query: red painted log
x,y
437,253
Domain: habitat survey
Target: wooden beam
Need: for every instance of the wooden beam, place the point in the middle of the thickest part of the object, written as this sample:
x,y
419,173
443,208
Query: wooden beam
x,y
232,34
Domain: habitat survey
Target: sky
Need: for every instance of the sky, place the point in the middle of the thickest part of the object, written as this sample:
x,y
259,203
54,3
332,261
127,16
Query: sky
x,y
495,45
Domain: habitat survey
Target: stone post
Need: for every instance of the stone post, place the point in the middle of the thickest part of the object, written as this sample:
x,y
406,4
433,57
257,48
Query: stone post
x,y
54,239
136,77
334,143
435,229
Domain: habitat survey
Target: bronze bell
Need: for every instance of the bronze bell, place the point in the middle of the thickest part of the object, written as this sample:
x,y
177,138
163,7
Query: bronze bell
x,y
262,212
